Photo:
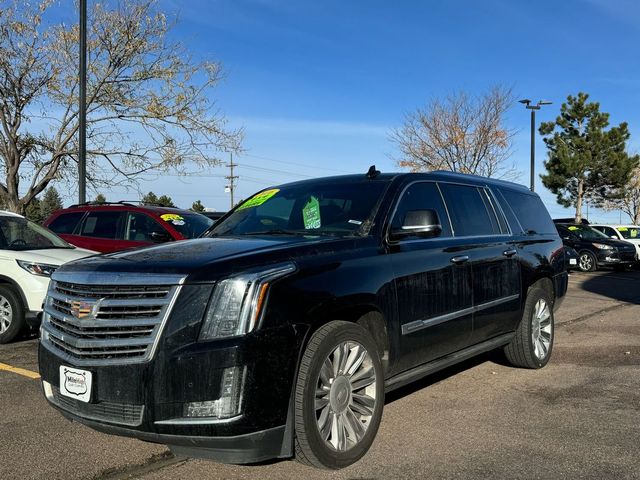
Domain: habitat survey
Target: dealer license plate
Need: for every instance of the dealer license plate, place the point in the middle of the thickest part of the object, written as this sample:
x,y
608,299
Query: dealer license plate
x,y
75,383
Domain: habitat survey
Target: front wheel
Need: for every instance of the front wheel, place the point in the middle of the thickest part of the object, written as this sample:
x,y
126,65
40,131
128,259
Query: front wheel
x,y
532,344
11,314
587,262
339,396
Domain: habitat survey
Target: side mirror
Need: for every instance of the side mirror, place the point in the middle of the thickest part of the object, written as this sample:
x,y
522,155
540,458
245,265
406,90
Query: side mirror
x,y
614,237
160,237
418,223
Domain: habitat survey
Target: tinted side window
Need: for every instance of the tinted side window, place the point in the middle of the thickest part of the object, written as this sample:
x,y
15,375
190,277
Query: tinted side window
x,y
66,223
530,210
139,228
101,225
467,206
422,196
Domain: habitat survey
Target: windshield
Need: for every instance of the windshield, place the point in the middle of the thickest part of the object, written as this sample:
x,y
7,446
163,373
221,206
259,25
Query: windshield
x,y
630,233
189,225
20,234
316,209
586,233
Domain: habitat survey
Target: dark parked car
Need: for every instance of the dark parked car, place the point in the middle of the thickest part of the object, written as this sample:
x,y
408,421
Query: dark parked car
x,y
110,227
215,216
279,332
595,249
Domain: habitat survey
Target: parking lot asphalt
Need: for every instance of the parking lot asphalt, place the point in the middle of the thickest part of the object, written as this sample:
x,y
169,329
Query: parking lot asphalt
x,y
579,417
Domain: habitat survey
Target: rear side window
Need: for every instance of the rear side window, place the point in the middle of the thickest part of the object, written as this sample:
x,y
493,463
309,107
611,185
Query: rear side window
x,y
422,196
470,210
101,225
530,210
65,223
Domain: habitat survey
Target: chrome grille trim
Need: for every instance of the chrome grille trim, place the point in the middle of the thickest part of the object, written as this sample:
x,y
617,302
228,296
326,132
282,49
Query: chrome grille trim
x,y
102,323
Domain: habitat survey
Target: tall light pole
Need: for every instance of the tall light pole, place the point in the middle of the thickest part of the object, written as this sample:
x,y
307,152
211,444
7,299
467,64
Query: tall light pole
x,y
82,107
527,103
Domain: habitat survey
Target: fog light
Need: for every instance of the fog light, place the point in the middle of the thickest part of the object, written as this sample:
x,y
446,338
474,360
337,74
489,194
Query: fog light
x,y
230,402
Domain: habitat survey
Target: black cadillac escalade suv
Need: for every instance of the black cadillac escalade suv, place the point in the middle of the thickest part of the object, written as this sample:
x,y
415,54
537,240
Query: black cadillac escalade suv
x,y
278,333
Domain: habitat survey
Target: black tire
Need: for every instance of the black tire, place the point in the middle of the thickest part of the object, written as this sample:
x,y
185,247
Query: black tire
x,y
587,261
522,351
310,447
14,309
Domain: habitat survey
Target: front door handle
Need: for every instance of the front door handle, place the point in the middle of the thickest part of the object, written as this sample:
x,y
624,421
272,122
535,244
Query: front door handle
x,y
460,259
510,253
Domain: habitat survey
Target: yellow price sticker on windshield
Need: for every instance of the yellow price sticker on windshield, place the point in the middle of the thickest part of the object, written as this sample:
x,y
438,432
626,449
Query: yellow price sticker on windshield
x,y
623,229
572,228
259,198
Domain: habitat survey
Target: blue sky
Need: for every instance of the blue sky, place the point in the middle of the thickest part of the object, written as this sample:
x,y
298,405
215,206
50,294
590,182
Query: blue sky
x,y
318,85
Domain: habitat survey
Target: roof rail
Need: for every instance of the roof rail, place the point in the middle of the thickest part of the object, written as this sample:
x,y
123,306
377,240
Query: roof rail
x,y
101,203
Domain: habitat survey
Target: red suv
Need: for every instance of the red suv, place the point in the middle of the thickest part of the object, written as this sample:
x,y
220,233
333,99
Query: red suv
x,y
109,227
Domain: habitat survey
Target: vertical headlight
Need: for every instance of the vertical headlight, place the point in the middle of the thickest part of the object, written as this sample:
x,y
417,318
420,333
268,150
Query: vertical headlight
x,y
237,302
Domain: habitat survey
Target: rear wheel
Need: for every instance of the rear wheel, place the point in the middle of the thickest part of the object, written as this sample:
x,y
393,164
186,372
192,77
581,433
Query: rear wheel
x,y
532,344
11,314
339,396
587,262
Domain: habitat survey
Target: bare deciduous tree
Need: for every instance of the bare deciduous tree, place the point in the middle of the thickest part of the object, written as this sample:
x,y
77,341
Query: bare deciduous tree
x,y
461,133
629,202
148,101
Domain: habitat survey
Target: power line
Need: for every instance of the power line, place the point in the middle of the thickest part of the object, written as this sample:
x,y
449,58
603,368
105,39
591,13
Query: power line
x,y
295,164
273,170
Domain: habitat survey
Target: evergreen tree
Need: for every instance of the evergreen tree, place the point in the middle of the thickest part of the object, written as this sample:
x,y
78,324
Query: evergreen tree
x,y
585,160
50,202
165,201
198,206
149,199
33,211
152,199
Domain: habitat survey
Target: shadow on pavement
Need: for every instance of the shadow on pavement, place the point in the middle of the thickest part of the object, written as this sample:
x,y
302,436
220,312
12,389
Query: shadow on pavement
x,y
495,356
621,286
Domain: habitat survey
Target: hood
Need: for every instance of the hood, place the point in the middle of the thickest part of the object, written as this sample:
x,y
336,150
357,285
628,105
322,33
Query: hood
x,y
51,256
192,256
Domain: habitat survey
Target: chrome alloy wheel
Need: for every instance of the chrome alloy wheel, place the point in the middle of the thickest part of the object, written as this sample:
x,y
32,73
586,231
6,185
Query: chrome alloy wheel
x,y
586,262
541,329
6,314
345,396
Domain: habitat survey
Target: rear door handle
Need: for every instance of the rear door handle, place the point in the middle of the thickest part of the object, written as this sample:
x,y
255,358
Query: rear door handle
x,y
460,259
510,253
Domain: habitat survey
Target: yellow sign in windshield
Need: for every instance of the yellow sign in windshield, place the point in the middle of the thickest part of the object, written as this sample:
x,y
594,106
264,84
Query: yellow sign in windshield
x,y
259,198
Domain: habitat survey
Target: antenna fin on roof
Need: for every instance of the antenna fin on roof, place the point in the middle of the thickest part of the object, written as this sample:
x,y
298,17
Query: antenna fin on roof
x,y
373,173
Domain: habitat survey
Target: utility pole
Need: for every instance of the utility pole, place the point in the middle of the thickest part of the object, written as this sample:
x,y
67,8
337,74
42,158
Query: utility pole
x,y
232,178
82,108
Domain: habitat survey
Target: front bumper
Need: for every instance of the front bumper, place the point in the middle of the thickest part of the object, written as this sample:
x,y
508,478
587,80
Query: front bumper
x,y
238,449
608,257
147,400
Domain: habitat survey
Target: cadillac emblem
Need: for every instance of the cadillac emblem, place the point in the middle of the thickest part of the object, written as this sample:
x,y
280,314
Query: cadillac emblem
x,y
81,309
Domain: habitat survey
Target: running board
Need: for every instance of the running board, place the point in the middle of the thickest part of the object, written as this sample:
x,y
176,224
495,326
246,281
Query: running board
x,y
408,376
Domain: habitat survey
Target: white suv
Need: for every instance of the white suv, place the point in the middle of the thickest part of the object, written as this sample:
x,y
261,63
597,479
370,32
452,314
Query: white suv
x,y
628,233
28,255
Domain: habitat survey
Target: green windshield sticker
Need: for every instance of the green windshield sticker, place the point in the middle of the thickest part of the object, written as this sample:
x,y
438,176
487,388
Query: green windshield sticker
x,y
623,229
572,228
311,214
259,198
634,233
